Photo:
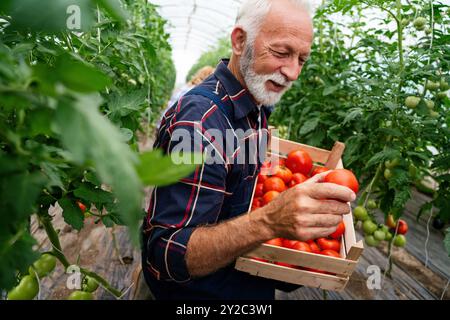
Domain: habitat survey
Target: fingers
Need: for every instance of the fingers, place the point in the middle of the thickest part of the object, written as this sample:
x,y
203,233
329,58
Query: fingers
x,y
332,207
314,233
321,220
318,177
331,191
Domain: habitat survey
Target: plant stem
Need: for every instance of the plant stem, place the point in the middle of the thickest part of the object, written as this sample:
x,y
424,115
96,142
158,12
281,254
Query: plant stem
x,y
58,253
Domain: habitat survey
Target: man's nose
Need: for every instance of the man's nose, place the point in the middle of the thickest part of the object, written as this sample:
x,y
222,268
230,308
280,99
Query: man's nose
x,y
291,71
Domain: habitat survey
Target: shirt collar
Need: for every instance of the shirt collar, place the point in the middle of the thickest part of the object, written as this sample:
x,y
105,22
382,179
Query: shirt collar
x,y
241,99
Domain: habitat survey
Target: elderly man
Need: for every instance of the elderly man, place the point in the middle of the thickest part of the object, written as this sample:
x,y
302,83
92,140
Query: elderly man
x,y
197,228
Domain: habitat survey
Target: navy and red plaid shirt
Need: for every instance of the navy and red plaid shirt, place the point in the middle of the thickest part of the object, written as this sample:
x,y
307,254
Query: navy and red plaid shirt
x,y
213,193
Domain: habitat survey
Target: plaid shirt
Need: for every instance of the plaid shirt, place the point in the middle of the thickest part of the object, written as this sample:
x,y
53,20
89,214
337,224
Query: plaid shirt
x,y
213,193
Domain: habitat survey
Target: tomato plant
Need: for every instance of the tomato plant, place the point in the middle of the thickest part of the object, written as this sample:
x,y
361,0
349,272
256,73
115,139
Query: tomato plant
x,y
380,85
71,105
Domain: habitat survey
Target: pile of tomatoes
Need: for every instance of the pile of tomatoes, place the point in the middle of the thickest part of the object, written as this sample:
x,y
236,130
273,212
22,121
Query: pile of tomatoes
x,y
281,174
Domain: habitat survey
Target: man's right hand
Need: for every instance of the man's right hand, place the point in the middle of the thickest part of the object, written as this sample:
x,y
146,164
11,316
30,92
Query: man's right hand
x,y
307,211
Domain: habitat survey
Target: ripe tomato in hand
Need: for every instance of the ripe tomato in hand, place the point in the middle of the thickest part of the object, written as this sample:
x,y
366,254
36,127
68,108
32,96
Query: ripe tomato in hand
x,y
274,184
275,242
259,191
344,178
299,161
283,173
313,245
297,178
328,244
269,196
331,253
318,170
339,231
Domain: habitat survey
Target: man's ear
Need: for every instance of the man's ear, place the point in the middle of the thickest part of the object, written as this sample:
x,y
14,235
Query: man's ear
x,y
238,39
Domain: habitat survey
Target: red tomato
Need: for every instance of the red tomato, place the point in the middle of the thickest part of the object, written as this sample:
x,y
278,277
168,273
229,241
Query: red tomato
x,y
269,196
297,178
331,253
262,178
275,242
259,191
257,203
313,245
289,243
274,184
302,246
318,170
283,173
330,244
81,206
402,227
339,231
344,178
299,161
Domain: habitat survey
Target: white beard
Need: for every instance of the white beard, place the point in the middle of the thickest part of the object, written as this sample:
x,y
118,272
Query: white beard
x,y
256,83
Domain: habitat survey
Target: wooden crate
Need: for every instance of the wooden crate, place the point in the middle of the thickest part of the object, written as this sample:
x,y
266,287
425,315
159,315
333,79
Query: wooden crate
x,y
350,249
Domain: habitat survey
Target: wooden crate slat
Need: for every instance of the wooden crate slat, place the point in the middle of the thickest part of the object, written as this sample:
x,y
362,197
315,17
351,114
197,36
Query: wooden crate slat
x,y
335,155
283,147
304,259
296,276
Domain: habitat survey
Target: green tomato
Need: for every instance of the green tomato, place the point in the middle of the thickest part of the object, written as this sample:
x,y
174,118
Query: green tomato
x,y
442,95
369,227
412,102
360,213
43,266
419,23
405,22
90,284
371,241
389,236
384,228
430,104
427,30
443,84
392,164
399,240
387,174
372,204
380,235
432,86
27,289
434,114
81,295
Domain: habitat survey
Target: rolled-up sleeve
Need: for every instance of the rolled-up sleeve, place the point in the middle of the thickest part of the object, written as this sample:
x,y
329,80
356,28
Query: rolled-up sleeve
x,y
176,211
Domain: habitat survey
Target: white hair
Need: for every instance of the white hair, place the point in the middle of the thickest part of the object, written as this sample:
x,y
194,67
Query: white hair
x,y
253,12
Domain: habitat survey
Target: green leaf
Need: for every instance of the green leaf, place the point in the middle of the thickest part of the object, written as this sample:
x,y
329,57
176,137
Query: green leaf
x,y
383,155
72,214
309,126
114,9
89,136
330,90
80,76
50,15
158,170
123,105
91,194
354,113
